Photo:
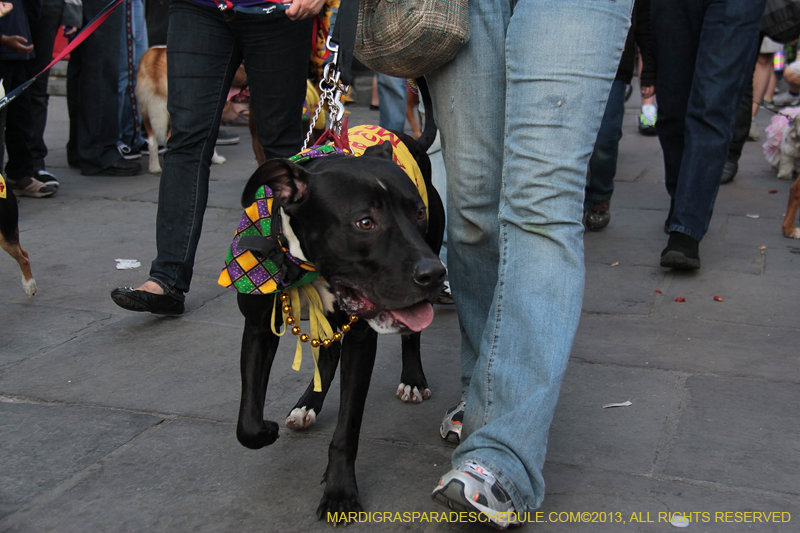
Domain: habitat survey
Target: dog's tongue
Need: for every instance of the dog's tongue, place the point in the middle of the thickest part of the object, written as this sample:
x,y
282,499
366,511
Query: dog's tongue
x,y
417,317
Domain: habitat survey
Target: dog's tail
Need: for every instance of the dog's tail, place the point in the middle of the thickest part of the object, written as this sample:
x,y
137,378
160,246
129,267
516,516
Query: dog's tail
x,y
429,132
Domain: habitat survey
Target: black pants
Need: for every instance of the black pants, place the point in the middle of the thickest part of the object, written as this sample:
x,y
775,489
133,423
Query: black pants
x,y
43,37
19,122
92,94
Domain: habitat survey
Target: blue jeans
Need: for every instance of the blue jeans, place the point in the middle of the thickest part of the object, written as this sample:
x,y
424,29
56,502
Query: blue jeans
x,y
519,114
204,48
127,135
603,164
392,98
705,50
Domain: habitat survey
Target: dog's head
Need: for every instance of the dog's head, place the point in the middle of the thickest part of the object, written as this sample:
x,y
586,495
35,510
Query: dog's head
x,y
361,222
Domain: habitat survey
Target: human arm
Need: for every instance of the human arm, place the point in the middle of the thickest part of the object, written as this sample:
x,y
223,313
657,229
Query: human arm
x,y
16,43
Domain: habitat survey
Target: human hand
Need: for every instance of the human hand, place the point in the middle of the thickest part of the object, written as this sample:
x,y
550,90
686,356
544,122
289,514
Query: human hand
x,y
5,8
648,91
16,43
69,31
303,9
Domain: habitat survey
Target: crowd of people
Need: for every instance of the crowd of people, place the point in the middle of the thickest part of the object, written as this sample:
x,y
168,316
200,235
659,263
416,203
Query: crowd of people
x,y
527,170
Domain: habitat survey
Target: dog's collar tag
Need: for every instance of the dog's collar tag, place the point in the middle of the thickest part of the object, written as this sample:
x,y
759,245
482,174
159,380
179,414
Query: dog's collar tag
x,y
3,192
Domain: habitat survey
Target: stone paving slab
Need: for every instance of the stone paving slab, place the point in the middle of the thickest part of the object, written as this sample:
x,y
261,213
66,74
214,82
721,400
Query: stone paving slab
x,y
689,345
737,432
45,445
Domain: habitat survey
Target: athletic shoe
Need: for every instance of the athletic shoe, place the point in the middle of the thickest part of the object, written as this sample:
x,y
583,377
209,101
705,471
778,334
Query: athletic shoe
x,y
129,153
598,215
224,137
473,488
729,171
47,178
786,99
682,252
753,135
451,424
647,120
445,297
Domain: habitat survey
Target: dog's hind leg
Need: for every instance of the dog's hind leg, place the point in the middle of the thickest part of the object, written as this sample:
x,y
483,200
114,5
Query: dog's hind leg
x,y
789,229
304,413
258,352
358,358
413,386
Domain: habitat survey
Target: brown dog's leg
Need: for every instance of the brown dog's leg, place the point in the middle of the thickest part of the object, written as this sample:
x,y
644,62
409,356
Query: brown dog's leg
x,y
21,257
257,149
789,229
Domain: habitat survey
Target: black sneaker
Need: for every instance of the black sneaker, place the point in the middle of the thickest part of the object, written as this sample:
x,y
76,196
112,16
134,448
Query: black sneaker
x,y
729,171
224,137
122,167
682,252
598,215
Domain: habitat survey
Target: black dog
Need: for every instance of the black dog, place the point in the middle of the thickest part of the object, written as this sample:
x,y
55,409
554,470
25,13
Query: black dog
x,y
361,222
9,236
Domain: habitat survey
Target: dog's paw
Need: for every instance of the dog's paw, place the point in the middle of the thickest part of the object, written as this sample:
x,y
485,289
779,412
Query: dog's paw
x,y
409,394
265,435
29,286
300,418
217,159
784,176
793,233
339,506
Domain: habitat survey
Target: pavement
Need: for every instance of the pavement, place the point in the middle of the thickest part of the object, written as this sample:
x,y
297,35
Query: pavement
x,y
113,421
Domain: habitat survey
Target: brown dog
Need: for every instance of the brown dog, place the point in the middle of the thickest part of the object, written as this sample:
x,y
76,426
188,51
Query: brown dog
x,y
789,229
9,236
151,95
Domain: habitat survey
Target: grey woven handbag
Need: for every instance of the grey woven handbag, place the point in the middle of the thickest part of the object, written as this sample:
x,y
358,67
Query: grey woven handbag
x,y
409,38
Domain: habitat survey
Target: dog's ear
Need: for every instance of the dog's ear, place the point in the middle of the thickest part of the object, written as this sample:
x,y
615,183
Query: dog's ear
x,y
288,181
383,150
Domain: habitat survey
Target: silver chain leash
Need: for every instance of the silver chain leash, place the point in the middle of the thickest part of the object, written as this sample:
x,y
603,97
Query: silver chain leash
x,y
332,91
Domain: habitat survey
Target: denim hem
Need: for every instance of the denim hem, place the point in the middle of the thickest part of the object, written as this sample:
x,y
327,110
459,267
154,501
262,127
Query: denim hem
x,y
596,198
686,231
168,291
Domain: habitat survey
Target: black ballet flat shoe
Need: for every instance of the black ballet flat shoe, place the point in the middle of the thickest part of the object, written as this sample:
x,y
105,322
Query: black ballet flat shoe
x,y
143,301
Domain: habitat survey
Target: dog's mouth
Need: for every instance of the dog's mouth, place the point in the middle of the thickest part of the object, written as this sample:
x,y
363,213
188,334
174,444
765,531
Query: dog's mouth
x,y
414,318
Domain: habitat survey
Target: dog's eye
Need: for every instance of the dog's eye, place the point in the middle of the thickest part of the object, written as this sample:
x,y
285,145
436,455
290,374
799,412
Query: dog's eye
x,y
421,213
365,223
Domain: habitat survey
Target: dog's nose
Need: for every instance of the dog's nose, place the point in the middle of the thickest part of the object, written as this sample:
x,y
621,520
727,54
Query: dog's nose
x,y
429,273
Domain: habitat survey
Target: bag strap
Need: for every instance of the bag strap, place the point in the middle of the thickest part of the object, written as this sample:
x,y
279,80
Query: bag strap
x,y
344,35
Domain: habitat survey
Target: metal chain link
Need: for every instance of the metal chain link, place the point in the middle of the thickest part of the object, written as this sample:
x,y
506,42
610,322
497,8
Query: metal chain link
x,y
332,91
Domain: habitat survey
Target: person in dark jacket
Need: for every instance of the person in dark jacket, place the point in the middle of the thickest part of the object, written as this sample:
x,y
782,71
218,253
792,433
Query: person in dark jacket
x,y
15,36
603,164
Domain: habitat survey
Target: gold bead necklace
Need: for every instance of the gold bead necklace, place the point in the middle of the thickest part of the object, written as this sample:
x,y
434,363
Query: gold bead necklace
x,y
291,321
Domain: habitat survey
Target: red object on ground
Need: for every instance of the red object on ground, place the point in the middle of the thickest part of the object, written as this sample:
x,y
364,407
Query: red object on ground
x,y
773,191
718,298
680,299
659,292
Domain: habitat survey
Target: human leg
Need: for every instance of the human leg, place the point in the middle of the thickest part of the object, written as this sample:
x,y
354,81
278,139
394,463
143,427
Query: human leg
x,y
392,98
202,58
727,46
276,49
603,163
43,35
546,143
132,46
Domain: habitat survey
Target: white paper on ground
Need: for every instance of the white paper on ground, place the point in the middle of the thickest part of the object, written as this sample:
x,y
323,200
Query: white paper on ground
x,y
127,264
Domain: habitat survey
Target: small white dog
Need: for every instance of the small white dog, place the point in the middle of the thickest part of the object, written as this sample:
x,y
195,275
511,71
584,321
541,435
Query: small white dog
x,y
790,149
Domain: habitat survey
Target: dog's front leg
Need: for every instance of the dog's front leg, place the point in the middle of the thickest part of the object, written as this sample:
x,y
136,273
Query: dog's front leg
x,y
413,386
358,357
305,411
259,345
786,164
